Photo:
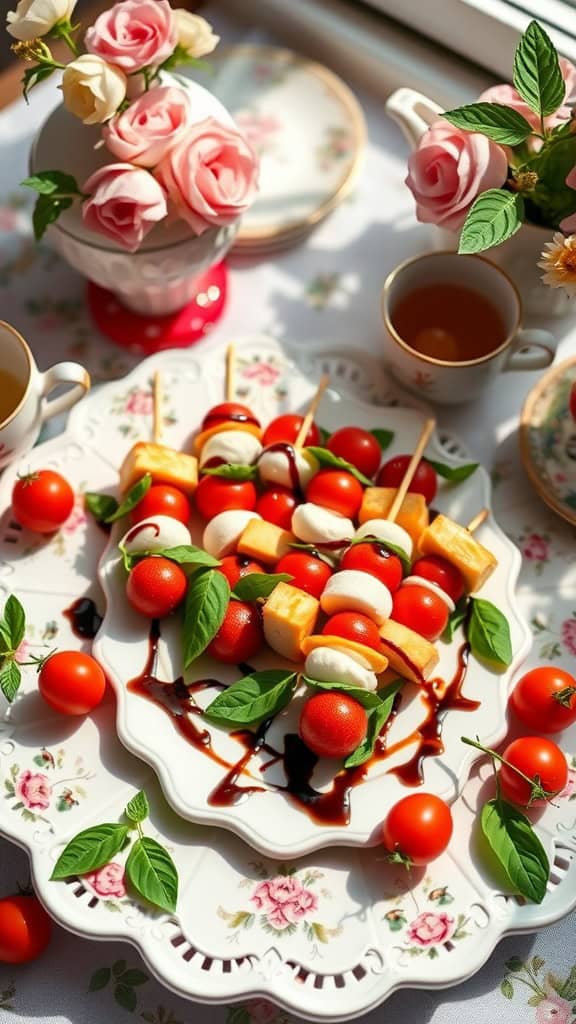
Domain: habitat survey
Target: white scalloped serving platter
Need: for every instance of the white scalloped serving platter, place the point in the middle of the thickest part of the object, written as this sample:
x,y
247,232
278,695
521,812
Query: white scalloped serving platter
x,y
328,936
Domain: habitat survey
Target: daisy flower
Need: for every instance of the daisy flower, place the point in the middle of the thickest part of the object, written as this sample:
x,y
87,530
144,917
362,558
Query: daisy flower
x,y
559,262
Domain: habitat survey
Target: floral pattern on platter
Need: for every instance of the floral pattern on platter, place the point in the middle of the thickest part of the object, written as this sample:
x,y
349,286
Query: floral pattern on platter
x,y
331,289
261,128
552,440
256,373
32,792
535,548
136,407
108,885
429,928
257,1011
554,642
553,997
338,143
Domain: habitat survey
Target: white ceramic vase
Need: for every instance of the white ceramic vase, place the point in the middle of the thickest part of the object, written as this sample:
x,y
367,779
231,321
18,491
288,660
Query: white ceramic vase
x,y
159,278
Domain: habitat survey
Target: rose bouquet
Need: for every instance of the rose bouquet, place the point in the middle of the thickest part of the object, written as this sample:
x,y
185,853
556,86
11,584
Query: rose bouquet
x,y
486,168
164,162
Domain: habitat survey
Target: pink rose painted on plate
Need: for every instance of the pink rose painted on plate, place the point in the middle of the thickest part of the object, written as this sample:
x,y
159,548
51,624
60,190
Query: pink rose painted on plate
x,y
77,517
570,786
34,790
535,548
430,929
263,373
568,633
553,1010
108,881
284,900
139,403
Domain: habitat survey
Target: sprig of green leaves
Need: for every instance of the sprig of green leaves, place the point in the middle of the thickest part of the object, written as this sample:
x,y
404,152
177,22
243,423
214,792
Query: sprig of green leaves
x,y
56,190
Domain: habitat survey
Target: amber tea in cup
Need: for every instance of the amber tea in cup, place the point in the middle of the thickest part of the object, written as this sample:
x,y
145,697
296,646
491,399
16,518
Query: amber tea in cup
x,y
448,322
11,393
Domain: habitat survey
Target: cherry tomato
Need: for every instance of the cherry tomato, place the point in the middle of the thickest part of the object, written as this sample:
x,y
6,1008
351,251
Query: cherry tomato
x,y
418,827
536,757
337,490
286,427
162,500
332,724
310,572
276,505
72,682
421,610
374,558
226,411
42,501
215,494
545,699
440,571
155,587
25,929
240,636
357,446
234,567
424,480
353,626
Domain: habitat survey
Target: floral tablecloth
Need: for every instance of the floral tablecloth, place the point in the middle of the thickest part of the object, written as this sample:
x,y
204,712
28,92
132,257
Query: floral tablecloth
x,y
327,288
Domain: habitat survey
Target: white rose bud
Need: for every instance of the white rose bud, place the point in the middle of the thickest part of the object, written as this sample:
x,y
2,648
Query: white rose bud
x,y
92,89
33,18
195,34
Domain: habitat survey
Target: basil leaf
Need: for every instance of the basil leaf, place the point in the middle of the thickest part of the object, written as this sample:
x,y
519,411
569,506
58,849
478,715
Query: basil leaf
x,y
377,717
188,554
493,217
13,622
453,473
232,471
253,698
101,506
10,678
204,611
392,548
517,847
324,434
455,619
152,873
369,699
90,850
489,633
537,74
501,124
384,437
330,461
258,584
135,494
138,808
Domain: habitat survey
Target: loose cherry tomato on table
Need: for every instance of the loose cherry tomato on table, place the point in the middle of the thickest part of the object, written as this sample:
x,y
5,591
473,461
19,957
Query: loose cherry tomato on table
x,y
156,586
309,572
42,501
441,572
545,699
357,446
353,626
332,724
375,559
337,490
538,758
234,567
420,609
276,505
240,636
162,500
418,828
214,494
226,411
72,682
424,480
25,929
286,428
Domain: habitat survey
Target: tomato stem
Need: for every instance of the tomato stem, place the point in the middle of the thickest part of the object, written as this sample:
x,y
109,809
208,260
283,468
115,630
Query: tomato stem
x,y
537,791
397,857
564,697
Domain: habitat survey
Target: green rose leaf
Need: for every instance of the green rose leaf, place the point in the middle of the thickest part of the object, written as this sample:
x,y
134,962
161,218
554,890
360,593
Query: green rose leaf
x,y
455,619
118,968
456,474
125,997
501,124
135,494
489,633
257,696
517,847
258,584
232,471
90,850
384,437
10,678
327,460
47,210
33,76
494,216
99,979
134,977
537,73
152,873
101,506
507,988
204,610
138,808
50,182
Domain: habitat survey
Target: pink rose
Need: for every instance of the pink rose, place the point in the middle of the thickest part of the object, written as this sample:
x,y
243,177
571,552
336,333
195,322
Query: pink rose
x,y
149,127
133,34
125,203
276,892
34,790
506,96
553,1010
535,548
107,881
265,374
449,169
430,929
570,786
139,403
210,175
261,1011
568,632
77,517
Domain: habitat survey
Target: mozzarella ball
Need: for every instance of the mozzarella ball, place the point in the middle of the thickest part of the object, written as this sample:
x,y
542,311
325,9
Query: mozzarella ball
x,y
155,534
316,525
274,468
352,590
328,665
384,530
222,533
235,446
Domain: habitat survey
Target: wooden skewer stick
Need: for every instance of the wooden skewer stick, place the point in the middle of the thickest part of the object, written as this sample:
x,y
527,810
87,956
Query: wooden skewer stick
x,y
307,421
479,518
230,371
411,469
158,422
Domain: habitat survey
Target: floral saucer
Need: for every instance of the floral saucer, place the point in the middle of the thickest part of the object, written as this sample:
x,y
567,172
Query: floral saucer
x,y
548,440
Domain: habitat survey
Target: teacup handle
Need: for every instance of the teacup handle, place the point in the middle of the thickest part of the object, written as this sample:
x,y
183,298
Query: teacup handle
x,y
532,350
63,373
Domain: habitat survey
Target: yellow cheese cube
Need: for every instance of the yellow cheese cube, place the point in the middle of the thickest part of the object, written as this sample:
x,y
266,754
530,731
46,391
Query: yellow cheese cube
x,y
264,541
165,465
288,617
408,653
451,541
413,514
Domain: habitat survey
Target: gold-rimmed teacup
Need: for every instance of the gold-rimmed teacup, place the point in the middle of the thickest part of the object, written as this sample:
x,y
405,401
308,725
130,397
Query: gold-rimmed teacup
x,y
451,383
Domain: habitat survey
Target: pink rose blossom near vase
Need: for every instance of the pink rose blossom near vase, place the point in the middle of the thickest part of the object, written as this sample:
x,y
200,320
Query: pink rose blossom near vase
x,y
149,127
430,929
210,175
125,203
449,170
133,34
553,1010
536,549
568,633
284,900
108,881
34,790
